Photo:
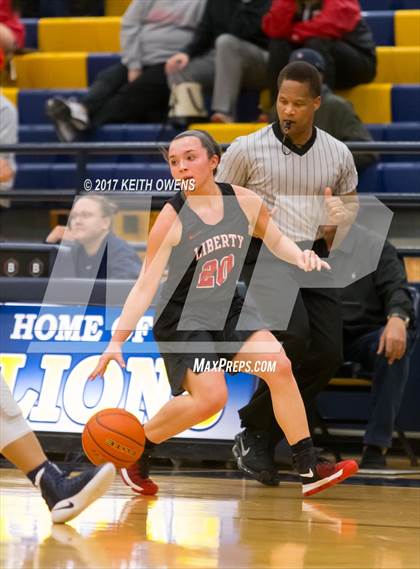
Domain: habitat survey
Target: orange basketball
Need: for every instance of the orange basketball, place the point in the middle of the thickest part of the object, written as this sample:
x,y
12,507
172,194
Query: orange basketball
x,y
113,435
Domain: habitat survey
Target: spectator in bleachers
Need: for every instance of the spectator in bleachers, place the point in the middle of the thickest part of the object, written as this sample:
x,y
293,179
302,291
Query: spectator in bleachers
x,y
8,135
136,89
378,333
12,31
336,115
334,29
228,52
97,252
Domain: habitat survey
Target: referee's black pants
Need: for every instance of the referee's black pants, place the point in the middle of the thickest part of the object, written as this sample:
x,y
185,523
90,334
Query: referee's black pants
x,y
312,341
112,99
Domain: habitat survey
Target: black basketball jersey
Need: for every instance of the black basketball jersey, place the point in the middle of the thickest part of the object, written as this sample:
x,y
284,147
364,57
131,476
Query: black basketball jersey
x,y
204,267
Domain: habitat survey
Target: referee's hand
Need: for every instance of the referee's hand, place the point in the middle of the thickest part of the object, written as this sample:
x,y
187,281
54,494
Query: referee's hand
x,y
308,261
335,208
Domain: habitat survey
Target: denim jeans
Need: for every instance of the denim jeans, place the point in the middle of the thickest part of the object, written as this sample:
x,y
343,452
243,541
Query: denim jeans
x,y
388,384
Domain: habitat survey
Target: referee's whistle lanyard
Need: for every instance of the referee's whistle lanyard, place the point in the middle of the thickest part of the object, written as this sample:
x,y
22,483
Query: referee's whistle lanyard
x,y
286,126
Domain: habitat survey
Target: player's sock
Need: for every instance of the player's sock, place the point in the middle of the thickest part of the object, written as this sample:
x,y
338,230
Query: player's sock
x,y
32,474
137,476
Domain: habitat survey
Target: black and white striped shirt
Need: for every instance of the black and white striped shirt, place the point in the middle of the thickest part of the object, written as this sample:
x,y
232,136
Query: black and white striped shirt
x,y
289,177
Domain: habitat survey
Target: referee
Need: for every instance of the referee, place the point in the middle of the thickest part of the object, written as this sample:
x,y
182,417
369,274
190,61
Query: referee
x,y
288,163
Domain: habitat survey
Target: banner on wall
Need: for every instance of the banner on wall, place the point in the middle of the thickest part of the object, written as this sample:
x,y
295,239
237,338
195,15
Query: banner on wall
x,y
47,353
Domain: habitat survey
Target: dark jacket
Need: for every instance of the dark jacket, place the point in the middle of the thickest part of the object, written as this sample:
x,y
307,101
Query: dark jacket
x,y
337,117
115,259
367,302
241,18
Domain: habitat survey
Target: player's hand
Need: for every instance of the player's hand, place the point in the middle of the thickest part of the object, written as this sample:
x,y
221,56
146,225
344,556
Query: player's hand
x,y
335,208
59,233
393,340
177,62
133,74
308,261
113,352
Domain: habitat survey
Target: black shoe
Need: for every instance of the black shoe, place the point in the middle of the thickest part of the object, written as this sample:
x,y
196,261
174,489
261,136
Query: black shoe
x,y
67,497
254,456
373,458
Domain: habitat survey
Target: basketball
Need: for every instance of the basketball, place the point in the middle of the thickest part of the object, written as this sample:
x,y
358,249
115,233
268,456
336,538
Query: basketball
x,y
113,435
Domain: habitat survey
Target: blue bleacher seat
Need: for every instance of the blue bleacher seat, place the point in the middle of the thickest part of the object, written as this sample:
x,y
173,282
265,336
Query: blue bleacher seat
x,y
407,4
63,176
401,177
131,133
394,177
97,62
31,32
404,131
369,180
377,4
32,176
376,131
149,132
31,103
390,4
35,133
381,23
406,103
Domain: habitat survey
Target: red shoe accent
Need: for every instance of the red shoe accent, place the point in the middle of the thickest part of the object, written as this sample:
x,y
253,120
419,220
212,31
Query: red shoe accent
x,y
132,478
330,475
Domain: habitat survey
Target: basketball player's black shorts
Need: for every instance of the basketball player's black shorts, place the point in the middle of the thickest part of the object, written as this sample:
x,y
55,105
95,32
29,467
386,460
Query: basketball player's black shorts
x,y
172,341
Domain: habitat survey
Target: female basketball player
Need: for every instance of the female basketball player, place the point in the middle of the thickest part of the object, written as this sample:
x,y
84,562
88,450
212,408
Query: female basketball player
x,y
202,235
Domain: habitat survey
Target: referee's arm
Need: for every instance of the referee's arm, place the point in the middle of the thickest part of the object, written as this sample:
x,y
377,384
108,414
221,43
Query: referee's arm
x,y
342,202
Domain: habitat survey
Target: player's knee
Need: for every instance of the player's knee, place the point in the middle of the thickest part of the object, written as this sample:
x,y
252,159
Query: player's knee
x,y
212,403
280,368
227,42
283,367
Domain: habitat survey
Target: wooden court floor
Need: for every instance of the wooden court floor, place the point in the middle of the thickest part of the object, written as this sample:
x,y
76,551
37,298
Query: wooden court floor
x,y
204,521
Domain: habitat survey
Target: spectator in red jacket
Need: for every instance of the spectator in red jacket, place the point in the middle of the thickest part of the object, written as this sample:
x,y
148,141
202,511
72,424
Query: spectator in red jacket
x,y
12,31
334,28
